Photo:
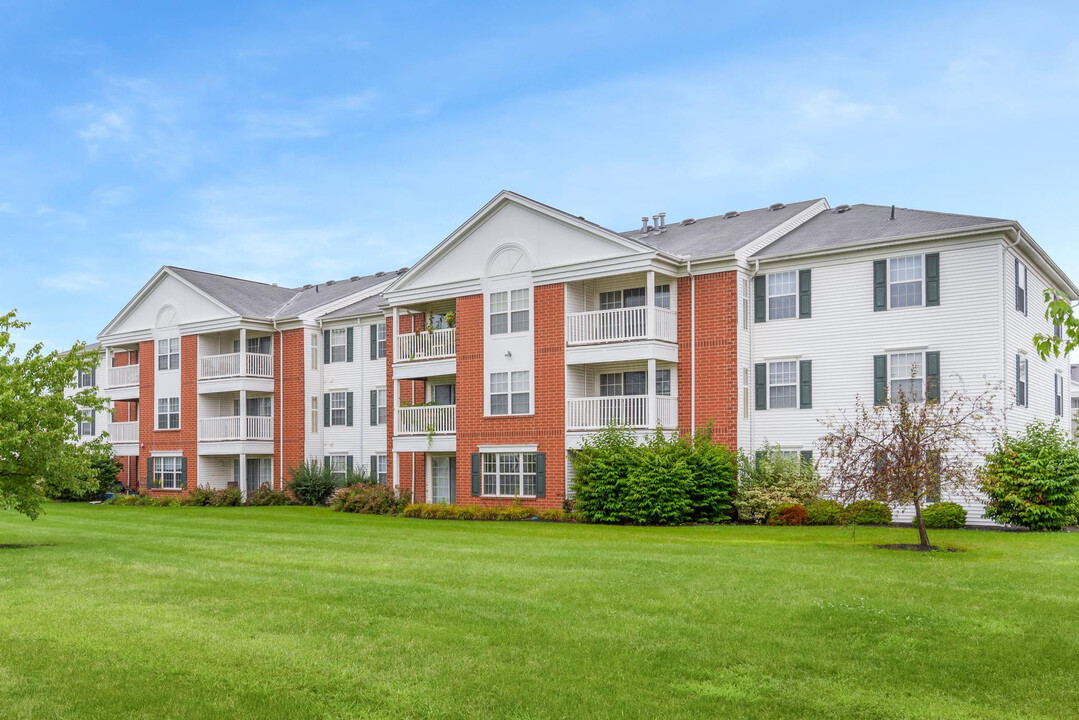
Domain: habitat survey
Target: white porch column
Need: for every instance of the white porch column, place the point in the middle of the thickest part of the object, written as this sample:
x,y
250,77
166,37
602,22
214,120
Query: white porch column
x,y
396,470
243,416
104,382
650,304
243,353
653,417
243,473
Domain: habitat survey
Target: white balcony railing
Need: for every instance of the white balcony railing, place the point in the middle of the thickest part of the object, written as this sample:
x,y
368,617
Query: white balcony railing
x,y
596,413
426,420
228,428
123,432
124,376
230,365
603,326
426,345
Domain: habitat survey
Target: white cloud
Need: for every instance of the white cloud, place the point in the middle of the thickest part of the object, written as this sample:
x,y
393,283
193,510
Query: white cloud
x,y
75,281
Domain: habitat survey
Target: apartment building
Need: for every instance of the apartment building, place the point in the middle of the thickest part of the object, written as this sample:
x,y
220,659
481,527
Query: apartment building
x,y
471,376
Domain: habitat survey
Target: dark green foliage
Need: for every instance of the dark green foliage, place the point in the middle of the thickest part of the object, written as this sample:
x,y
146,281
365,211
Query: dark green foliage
x,y
469,512
372,498
788,514
265,495
98,480
824,512
944,515
867,512
662,482
1033,480
147,501
208,497
313,483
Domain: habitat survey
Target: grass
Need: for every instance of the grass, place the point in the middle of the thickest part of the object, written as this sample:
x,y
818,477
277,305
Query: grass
x,y
128,612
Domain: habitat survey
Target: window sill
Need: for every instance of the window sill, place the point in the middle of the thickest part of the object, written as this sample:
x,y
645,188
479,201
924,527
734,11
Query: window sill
x,y
511,415
508,497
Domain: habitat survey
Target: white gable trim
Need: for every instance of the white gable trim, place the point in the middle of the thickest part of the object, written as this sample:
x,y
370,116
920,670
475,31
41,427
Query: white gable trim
x,y
780,230
148,288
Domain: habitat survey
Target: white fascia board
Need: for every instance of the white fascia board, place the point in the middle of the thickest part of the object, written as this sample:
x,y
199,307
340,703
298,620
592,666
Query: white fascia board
x,y
854,252
321,310
782,229
147,288
605,268
1046,263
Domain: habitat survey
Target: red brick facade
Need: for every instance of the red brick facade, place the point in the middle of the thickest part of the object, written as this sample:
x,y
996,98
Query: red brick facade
x,y
185,439
290,403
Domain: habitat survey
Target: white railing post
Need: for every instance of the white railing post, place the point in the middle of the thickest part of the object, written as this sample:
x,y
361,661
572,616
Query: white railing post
x,y
650,303
243,351
651,391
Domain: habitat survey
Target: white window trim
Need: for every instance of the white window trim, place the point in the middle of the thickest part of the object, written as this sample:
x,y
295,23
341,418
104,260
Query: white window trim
x,y
343,457
381,410
1025,285
797,381
380,341
343,333
768,296
510,332
498,475
888,284
315,351
162,456
509,394
920,352
343,409
1024,364
381,473
158,414
158,354
315,417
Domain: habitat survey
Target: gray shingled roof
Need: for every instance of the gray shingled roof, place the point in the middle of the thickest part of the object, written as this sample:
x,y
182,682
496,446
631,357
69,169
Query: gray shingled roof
x,y
246,297
864,224
317,295
367,306
716,235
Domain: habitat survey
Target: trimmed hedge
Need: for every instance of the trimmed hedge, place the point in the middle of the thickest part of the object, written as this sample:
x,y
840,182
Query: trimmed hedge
x,y
370,498
867,512
788,514
265,496
943,516
824,512
208,497
475,512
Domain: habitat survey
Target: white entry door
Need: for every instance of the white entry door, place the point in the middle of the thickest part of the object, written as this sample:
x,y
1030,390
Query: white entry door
x,y
442,472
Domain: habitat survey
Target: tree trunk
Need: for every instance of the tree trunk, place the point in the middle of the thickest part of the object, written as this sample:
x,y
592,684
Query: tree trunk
x,y
923,536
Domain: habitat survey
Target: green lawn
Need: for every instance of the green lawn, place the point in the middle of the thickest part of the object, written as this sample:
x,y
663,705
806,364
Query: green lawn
x,y
301,612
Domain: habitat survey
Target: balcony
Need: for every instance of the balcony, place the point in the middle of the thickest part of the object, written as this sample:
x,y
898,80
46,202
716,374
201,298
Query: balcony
x,y
596,413
223,429
125,376
432,345
121,433
621,325
426,420
232,365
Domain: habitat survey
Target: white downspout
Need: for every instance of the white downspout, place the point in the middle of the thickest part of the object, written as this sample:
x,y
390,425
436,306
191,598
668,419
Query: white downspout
x,y
751,410
281,400
692,348
321,391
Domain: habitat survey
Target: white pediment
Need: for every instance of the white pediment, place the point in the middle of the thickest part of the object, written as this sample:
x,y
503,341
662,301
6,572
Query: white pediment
x,y
166,301
511,235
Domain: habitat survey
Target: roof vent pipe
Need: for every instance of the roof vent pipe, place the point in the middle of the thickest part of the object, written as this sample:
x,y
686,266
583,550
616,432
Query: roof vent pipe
x,y
893,212
644,224
655,223
663,222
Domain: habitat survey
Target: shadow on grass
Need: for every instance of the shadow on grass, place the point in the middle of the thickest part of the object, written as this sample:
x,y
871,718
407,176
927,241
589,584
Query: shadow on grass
x,y
913,547
20,546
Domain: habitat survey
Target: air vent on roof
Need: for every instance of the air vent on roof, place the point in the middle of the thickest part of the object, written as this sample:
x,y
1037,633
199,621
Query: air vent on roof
x,y
379,273
776,206
330,282
731,214
402,271
354,278
842,208
689,221
308,286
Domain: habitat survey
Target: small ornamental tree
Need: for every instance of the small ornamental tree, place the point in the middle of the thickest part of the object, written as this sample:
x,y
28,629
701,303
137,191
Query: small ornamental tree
x,y
38,440
1059,311
906,452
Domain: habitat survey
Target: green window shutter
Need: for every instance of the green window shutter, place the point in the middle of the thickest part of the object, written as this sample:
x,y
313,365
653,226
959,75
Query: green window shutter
x,y
807,456
760,372
541,474
373,467
325,461
183,473
326,347
880,285
932,279
374,342
1015,284
348,409
760,300
348,345
1019,379
880,379
93,423
805,384
326,410
348,463
149,473
477,461
453,480
805,293
932,377
374,407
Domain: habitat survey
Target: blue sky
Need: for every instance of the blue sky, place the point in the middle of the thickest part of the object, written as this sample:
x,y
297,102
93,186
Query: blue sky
x,y
333,139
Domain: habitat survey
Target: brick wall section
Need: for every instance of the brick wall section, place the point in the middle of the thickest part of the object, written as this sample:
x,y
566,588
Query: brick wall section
x,y
411,391
123,358
290,403
717,354
546,428
186,438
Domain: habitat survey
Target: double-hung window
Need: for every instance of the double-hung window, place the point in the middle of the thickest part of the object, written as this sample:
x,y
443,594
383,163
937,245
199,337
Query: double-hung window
x,y
338,408
663,382
168,413
745,304
1022,381
906,376
783,384
168,354
339,345
1020,287
168,472
510,393
509,474
314,351
86,379
338,466
380,340
86,427
380,406
314,413
905,278
509,311
379,469
1058,394
663,296
782,295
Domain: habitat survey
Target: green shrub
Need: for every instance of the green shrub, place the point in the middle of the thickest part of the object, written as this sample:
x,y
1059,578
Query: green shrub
x,y
943,515
824,512
135,499
313,483
371,498
788,514
557,516
266,495
769,479
664,481
1033,480
205,496
475,512
100,479
867,512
